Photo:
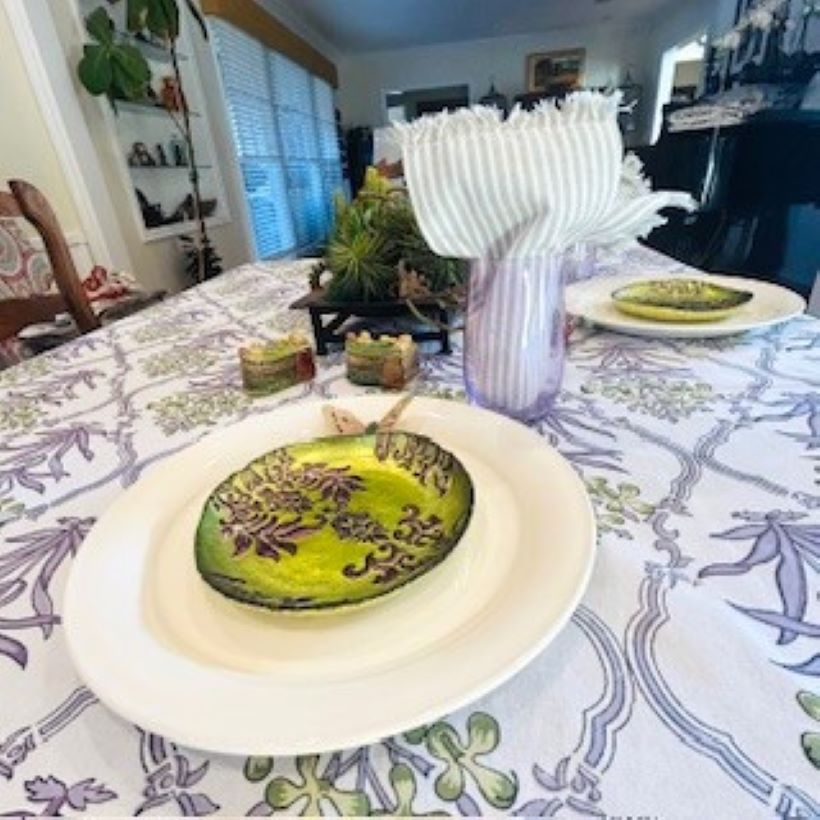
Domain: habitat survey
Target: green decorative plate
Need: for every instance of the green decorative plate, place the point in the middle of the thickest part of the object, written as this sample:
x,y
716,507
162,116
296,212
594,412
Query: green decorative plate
x,y
333,522
679,300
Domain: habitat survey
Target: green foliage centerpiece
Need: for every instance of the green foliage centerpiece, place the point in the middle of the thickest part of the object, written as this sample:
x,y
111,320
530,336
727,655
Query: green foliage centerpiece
x,y
376,252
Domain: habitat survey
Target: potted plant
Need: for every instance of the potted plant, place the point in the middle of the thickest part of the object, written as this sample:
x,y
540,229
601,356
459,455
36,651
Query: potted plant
x,y
377,264
376,252
112,65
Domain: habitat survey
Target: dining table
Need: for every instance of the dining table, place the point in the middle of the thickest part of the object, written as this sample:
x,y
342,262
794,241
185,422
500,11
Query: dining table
x,y
686,684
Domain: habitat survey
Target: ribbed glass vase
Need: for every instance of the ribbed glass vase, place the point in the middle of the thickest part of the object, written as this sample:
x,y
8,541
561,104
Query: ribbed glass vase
x,y
515,343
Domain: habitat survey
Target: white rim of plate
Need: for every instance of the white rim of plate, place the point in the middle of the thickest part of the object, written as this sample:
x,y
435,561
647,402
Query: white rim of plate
x,y
108,670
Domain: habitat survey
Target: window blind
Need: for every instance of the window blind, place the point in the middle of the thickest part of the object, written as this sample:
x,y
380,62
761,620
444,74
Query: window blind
x,y
283,123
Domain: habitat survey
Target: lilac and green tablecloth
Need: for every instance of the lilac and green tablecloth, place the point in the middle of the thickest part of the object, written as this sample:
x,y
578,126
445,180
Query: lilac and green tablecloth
x,y
687,684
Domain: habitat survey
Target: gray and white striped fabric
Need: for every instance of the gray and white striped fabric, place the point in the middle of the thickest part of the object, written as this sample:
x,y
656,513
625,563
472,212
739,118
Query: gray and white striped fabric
x,y
514,334
541,181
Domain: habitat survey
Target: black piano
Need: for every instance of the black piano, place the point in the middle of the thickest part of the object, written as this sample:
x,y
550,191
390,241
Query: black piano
x,y
758,185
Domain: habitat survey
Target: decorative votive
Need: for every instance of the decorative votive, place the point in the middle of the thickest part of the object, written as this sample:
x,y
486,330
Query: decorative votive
x,y
268,367
389,361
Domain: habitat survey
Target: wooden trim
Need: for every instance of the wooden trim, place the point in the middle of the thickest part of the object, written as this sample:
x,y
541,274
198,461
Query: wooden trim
x,y
8,206
15,314
258,23
35,208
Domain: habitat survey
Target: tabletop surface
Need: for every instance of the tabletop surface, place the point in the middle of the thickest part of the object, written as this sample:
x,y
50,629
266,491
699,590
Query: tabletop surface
x,y
687,684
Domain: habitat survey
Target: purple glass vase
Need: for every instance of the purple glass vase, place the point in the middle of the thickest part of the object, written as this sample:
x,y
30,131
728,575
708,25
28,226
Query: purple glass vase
x,y
514,340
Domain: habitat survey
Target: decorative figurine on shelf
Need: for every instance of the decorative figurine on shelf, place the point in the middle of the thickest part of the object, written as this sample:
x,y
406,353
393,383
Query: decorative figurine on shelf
x,y
152,214
171,94
162,157
140,156
185,210
495,99
268,367
178,152
389,361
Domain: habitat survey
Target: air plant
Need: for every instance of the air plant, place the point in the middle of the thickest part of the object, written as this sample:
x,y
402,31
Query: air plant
x,y
376,241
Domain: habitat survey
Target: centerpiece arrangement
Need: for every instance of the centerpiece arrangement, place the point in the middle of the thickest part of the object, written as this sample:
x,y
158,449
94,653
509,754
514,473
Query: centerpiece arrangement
x,y
515,197
378,264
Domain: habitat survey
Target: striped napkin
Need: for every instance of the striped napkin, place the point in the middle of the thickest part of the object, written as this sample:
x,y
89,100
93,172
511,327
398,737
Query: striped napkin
x,y
538,182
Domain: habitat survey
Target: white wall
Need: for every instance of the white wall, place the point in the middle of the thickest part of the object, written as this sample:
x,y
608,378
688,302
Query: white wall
x,y
364,78
26,149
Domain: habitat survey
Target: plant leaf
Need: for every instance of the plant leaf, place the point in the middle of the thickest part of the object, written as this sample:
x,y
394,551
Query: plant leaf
x,y
810,704
13,650
810,741
483,733
95,71
43,790
258,768
136,13
498,789
100,26
281,793
350,804
131,73
43,605
162,19
808,667
132,61
86,792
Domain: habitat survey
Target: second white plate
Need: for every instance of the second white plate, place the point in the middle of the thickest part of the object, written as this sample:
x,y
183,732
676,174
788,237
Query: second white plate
x,y
771,305
165,651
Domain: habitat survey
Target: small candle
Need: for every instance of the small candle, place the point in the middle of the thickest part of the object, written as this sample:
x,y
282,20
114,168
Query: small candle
x,y
389,361
268,367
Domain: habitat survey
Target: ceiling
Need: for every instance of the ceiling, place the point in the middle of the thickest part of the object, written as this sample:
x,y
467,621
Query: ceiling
x,y
372,25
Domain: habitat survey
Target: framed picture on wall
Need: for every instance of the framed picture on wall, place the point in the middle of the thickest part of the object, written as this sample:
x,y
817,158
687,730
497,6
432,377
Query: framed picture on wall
x,y
558,71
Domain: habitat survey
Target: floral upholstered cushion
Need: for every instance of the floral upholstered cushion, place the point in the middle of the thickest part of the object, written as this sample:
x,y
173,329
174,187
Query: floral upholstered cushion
x,y
24,269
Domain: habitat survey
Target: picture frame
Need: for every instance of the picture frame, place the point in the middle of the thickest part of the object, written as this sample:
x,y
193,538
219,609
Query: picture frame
x,y
556,71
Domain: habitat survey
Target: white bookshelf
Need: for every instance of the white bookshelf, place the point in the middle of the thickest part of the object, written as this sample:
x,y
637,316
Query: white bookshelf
x,y
131,122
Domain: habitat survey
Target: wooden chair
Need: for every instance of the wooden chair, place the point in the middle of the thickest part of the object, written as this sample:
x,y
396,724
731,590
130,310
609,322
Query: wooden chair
x,y
27,202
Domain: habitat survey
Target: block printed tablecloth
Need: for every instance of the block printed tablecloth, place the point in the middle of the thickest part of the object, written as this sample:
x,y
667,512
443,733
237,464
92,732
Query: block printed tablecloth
x,y
687,684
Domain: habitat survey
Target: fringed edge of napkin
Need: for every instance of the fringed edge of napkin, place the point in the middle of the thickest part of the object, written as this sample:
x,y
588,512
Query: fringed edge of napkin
x,y
636,211
580,107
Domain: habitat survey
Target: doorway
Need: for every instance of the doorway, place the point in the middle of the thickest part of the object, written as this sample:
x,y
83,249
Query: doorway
x,y
680,77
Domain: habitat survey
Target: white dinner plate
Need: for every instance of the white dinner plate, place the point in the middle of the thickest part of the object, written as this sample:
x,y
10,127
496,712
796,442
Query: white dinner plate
x,y
165,651
771,305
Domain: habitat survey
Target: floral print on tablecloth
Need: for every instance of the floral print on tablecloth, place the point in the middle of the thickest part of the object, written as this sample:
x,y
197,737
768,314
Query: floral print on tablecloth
x,y
686,686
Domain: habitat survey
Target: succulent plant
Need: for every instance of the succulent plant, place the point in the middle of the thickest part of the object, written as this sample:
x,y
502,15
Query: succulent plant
x,y
374,238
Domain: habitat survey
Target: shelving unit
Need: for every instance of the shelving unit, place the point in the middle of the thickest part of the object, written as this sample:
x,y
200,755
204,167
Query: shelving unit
x,y
168,167
150,123
129,106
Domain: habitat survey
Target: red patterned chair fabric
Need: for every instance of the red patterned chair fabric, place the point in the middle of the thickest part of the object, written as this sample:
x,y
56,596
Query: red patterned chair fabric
x,y
25,270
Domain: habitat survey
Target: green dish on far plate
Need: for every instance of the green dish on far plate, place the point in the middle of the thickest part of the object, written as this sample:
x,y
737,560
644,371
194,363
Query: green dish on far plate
x,y
334,522
679,300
